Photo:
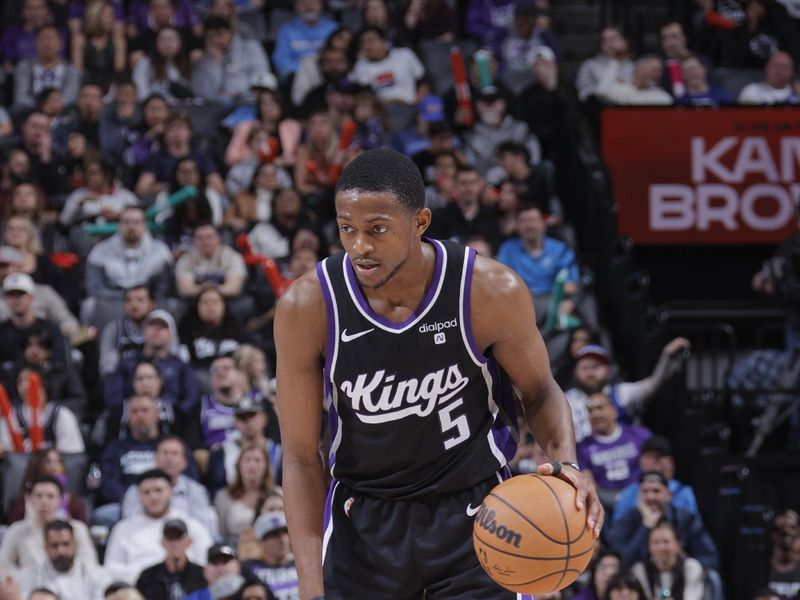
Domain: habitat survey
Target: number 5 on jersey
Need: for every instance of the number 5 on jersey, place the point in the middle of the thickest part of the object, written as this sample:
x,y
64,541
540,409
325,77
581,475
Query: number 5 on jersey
x,y
450,422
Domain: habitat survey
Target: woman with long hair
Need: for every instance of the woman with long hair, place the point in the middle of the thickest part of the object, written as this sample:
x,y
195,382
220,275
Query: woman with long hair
x,y
46,461
148,139
668,572
314,168
236,504
604,567
181,220
100,49
255,204
210,329
20,233
167,71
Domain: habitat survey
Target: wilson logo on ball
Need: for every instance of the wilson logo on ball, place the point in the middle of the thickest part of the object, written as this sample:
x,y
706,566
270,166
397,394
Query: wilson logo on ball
x,y
485,519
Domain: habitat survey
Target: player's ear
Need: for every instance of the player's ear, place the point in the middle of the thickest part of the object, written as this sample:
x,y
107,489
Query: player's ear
x,y
422,220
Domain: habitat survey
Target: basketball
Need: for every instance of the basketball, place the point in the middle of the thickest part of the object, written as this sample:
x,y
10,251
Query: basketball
x,y
529,536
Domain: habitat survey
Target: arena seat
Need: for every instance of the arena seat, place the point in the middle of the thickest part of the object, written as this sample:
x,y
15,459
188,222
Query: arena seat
x,y
733,80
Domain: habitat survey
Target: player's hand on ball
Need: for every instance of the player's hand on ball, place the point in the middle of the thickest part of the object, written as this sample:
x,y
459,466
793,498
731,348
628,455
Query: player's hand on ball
x,y
585,494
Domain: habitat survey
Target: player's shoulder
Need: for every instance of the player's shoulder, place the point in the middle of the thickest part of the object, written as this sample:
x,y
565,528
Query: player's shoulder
x,y
301,315
304,294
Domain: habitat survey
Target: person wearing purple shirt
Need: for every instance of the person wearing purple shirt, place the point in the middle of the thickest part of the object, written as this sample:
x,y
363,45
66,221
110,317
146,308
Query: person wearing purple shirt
x,y
488,21
19,40
611,453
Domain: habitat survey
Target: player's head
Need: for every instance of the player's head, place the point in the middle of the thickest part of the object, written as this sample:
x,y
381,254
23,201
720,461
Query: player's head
x,y
380,210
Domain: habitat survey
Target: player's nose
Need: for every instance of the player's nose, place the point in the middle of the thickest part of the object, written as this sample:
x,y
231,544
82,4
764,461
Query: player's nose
x,y
362,245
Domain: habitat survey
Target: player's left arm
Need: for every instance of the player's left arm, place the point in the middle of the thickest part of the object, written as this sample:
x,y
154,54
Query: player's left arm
x,y
504,323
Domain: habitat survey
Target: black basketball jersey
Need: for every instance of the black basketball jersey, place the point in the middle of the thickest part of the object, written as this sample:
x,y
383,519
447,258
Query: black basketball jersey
x,y
415,407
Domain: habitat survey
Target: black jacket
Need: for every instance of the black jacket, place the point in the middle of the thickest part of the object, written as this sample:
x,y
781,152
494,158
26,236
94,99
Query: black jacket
x,y
154,582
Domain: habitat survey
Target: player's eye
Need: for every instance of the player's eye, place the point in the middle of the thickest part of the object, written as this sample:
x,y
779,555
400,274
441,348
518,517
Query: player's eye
x,y
380,229
345,228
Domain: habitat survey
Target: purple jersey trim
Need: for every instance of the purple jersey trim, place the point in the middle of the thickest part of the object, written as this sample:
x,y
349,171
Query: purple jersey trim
x,y
331,339
333,427
326,519
434,284
504,428
471,254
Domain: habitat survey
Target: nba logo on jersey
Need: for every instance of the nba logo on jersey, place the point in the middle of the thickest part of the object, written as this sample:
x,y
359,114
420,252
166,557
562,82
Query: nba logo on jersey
x,y
439,338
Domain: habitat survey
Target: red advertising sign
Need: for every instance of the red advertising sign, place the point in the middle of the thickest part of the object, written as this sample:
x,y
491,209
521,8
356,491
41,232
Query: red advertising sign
x,y
704,176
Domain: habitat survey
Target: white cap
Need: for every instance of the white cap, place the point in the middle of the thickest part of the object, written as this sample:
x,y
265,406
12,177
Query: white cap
x,y
265,81
268,523
18,282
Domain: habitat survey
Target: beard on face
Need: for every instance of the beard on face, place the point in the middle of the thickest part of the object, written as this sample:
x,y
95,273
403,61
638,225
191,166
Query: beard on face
x,y
62,564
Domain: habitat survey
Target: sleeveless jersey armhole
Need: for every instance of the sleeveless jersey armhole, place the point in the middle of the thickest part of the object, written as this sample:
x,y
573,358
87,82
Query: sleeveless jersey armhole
x,y
465,308
332,335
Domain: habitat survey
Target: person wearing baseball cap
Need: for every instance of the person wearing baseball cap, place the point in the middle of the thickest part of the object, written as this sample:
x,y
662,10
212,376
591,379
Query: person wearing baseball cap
x,y
250,421
176,576
277,566
592,374
656,455
18,294
222,562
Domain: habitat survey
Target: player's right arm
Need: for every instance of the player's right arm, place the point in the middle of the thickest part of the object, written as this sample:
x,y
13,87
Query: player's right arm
x,y
300,337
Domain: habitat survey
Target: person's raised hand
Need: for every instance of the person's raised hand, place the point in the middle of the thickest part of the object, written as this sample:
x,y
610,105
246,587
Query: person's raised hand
x,y
679,343
586,494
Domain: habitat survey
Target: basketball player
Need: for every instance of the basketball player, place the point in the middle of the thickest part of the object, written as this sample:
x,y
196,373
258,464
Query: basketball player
x,y
416,343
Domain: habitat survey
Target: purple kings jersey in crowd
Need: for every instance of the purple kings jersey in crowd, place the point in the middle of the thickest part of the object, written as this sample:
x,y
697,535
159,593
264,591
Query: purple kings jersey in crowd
x,y
614,460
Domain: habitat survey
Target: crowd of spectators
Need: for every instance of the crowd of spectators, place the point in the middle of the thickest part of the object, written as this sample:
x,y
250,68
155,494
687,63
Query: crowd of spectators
x,y
167,168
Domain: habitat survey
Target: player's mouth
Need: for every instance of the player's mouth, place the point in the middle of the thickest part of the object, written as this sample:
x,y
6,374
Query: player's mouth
x,y
365,268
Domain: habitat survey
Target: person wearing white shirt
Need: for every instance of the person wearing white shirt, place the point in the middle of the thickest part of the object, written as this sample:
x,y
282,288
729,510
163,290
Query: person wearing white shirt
x,y
135,542
188,496
777,85
613,54
22,544
642,91
593,374
392,72
61,572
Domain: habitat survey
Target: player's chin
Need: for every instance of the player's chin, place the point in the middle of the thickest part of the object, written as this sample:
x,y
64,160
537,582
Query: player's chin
x,y
369,275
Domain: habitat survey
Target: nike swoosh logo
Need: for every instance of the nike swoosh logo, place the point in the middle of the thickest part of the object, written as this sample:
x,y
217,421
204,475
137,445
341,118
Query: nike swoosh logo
x,y
471,512
354,336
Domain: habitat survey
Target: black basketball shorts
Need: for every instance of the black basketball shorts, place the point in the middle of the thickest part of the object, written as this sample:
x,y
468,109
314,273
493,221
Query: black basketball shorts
x,y
376,549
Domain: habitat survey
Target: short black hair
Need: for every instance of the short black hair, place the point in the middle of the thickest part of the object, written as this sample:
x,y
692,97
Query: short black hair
x,y
514,148
216,24
385,171
154,474
58,525
376,30
48,479
141,286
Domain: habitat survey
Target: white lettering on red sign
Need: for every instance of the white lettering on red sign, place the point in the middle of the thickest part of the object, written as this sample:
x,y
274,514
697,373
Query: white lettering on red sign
x,y
715,200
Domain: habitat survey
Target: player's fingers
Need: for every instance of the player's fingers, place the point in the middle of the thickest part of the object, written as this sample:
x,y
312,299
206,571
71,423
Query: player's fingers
x,y
552,468
595,515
